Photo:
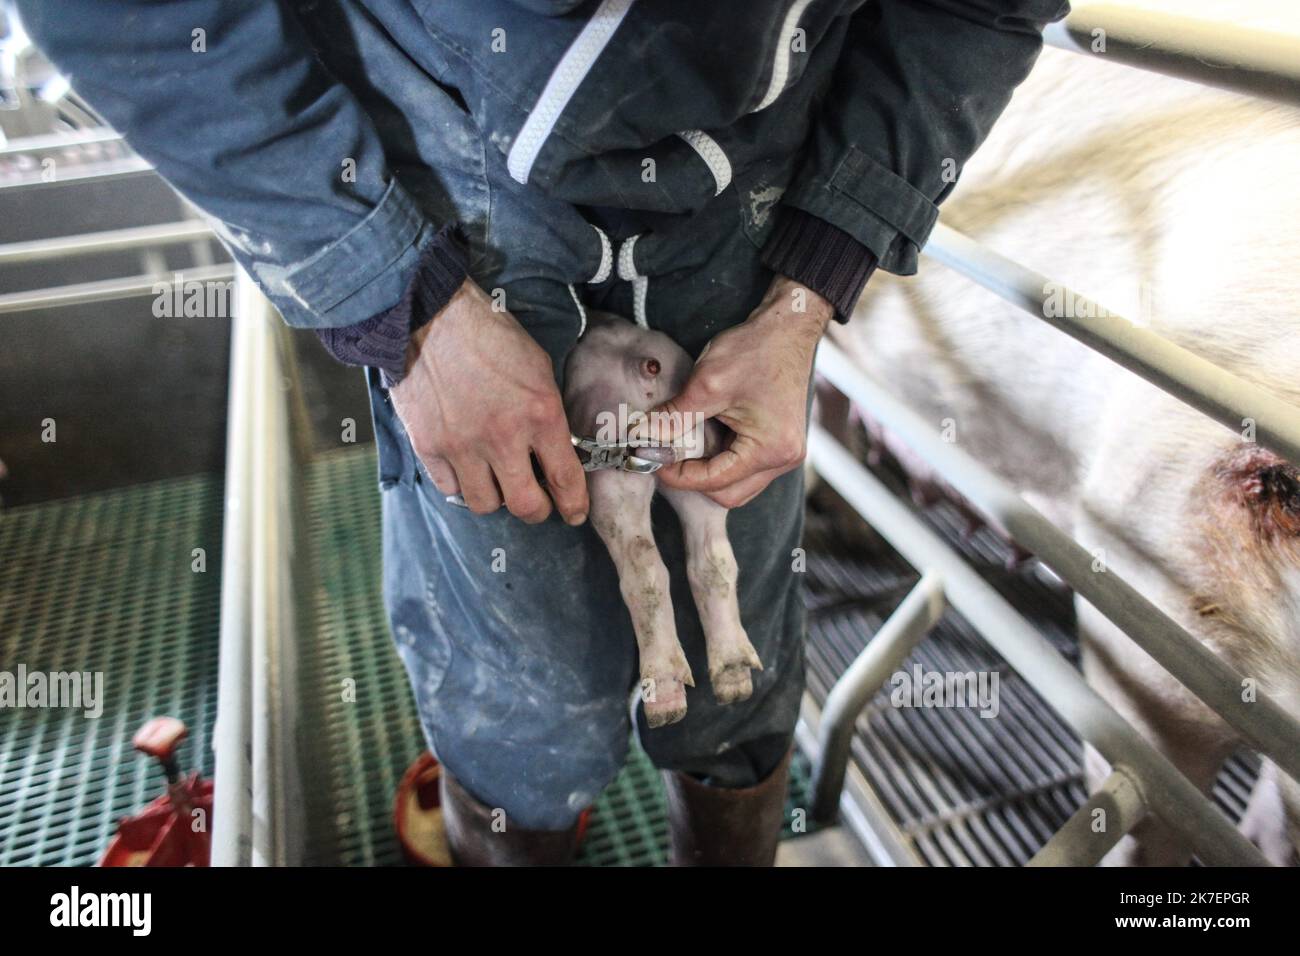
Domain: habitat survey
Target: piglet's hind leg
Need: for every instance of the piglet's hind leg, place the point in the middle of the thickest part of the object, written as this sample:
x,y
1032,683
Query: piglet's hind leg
x,y
620,513
711,569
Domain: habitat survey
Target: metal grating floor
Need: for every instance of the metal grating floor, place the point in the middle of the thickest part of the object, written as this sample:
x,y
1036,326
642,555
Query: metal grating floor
x,y
104,583
963,790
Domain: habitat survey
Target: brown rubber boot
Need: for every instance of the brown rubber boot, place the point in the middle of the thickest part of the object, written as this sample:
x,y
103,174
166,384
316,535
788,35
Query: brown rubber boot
x,y
474,841
715,826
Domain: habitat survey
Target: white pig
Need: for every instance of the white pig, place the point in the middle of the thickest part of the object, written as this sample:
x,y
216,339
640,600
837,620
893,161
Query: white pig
x,y
617,369
1178,207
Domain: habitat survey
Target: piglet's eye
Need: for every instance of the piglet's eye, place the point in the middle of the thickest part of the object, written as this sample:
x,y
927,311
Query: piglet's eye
x,y
650,367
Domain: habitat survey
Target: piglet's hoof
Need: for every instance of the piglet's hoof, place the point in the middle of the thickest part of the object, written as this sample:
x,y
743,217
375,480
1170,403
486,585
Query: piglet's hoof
x,y
730,675
663,690
664,701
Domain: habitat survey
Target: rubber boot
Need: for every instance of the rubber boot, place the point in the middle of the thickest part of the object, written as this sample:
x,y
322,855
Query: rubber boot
x,y
474,842
715,826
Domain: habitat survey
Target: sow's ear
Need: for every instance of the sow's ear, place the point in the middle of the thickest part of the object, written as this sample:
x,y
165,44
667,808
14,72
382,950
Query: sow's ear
x,y
1267,488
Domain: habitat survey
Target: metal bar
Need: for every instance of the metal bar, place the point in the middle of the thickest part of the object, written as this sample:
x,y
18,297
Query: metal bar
x,y
1216,53
871,813
277,786
1179,804
1264,723
883,655
232,813
41,144
1187,376
108,289
1080,842
860,808
258,785
114,240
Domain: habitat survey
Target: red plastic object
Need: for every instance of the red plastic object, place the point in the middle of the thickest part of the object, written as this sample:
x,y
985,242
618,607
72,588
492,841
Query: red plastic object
x,y
417,815
173,829
160,737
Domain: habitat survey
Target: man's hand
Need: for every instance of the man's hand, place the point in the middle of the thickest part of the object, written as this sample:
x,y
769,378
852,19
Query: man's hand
x,y
754,379
479,395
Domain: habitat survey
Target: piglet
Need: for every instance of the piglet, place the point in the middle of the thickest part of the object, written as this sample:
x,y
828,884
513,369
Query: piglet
x,y
616,371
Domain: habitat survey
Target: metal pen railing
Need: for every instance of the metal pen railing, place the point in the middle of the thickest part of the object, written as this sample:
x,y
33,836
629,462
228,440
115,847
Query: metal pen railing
x,y
1142,780
268,493
1218,393
113,240
106,290
1168,793
257,784
1225,55
1264,723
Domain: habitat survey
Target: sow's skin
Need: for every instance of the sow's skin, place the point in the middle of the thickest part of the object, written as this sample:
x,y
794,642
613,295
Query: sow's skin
x,y
618,363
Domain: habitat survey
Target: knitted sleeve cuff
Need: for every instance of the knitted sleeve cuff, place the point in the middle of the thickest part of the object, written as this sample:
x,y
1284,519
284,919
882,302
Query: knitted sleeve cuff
x,y
381,340
820,256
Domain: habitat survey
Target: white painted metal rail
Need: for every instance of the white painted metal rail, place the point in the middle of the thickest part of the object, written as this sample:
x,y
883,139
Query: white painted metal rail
x,y
258,784
106,290
1219,54
113,240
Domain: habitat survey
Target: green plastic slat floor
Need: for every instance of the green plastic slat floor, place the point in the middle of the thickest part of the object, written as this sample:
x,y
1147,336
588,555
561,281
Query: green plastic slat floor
x,y
104,583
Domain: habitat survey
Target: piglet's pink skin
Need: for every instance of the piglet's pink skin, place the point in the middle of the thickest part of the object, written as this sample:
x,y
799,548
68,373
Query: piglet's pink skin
x,y
617,363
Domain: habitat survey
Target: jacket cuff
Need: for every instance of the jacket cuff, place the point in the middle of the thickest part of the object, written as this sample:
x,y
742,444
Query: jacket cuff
x,y
381,340
874,205
820,256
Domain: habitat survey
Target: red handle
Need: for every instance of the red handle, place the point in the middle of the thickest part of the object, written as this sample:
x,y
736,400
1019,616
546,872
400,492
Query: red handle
x,y
160,737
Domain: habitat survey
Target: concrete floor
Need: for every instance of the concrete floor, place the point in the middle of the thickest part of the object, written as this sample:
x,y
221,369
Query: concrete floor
x,y
834,846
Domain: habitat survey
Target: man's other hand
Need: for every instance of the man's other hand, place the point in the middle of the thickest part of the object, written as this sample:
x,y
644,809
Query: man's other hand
x,y
479,396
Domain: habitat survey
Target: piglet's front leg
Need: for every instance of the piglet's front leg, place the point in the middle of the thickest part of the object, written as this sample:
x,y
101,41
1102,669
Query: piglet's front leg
x,y
620,513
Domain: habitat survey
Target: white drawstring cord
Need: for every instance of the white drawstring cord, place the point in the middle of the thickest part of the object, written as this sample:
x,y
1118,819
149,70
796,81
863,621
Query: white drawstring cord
x,y
640,284
606,257
582,313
